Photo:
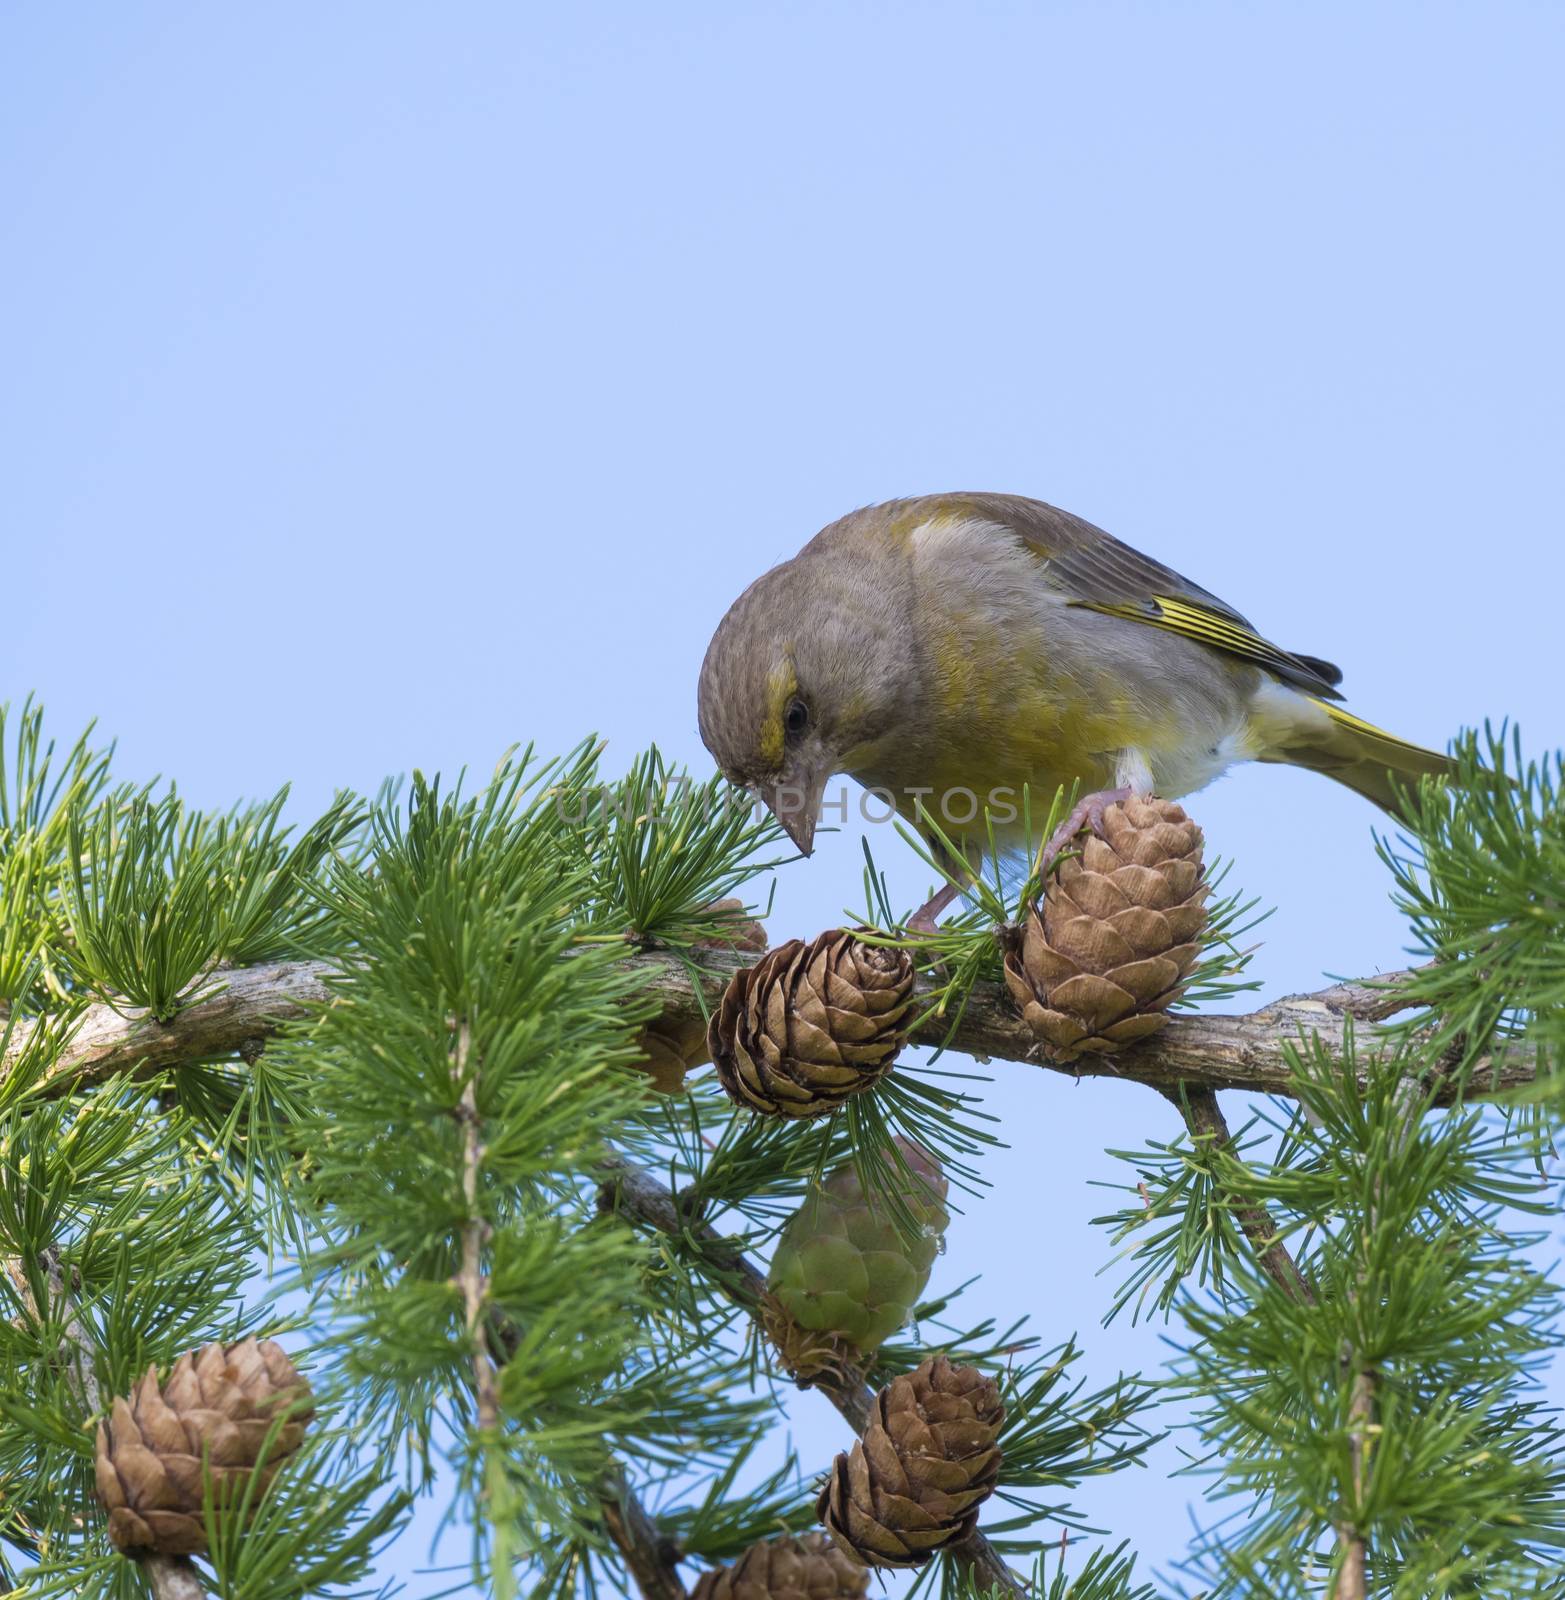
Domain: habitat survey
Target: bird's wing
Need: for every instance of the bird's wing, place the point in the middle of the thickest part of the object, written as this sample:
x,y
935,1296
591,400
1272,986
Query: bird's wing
x,y
1096,571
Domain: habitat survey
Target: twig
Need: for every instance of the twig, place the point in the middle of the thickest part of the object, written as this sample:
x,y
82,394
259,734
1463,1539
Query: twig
x,y
1204,1117
637,1194
83,1379
651,1557
1352,1581
1368,1000
1248,1051
475,1234
173,1578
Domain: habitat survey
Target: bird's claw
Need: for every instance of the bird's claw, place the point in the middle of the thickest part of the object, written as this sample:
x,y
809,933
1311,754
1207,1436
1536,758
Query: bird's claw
x,y
1086,813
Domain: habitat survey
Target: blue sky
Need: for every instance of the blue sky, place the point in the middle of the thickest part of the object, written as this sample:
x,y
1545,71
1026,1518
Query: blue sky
x,y
384,384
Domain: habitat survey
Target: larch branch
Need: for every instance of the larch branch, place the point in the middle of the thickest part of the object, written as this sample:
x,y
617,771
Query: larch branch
x,y
1205,1120
173,1578
651,1558
475,1234
244,1006
1352,1575
1352,1580
239,1009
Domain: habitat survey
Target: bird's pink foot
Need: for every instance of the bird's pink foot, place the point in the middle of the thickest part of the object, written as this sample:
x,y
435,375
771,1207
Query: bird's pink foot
x,y
1086,813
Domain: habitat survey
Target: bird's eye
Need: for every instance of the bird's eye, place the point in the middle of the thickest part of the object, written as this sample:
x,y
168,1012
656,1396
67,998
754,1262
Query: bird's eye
x,y
796,719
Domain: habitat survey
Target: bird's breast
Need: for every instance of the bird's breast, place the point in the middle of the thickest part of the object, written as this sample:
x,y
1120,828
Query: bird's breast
x,y
1019,688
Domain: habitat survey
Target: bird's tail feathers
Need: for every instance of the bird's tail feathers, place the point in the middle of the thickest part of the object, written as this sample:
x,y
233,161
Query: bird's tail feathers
x,y
1316,734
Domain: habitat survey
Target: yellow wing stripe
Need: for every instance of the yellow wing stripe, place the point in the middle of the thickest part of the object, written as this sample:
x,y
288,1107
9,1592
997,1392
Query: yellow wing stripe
x,y
1228,635
1175,616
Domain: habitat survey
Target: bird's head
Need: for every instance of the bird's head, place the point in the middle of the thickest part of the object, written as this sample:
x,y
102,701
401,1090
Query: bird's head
x,y
799,680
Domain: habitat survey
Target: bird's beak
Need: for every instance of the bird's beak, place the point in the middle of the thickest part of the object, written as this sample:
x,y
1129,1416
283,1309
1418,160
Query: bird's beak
x,y
797,808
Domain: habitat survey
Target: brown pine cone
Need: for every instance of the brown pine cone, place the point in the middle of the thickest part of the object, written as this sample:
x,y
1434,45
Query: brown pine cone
x,y
928,1458
1120,930
671,1047
736,931
218,1405
807,1567
811,1024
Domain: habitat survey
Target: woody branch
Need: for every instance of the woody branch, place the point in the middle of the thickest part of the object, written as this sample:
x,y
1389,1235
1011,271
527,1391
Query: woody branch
x,y
244,1006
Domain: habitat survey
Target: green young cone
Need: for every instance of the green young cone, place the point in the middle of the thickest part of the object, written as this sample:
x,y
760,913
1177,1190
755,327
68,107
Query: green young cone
x,y
842,1268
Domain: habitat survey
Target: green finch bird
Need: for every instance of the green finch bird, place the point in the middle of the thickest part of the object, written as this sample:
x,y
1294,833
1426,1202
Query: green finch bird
x,y
950,649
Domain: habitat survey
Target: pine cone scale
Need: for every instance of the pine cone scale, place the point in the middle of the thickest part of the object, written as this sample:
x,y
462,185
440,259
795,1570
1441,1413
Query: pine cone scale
x,y
1090,894
126,1530
850,1027
669,1051
184,1472
1097,1002
1186,922
881,1460
157,1423
1142,1025
1143,930
110,1490
1094,945
170,1533
1146,886
1149,978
